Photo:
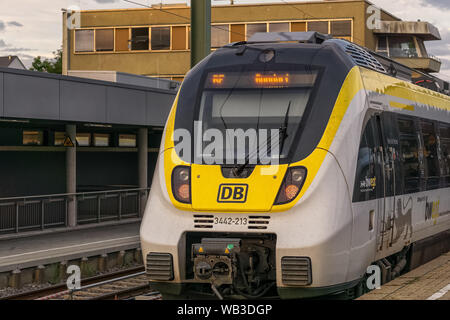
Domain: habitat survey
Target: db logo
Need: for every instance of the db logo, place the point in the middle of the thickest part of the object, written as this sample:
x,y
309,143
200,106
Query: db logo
x,y
232,193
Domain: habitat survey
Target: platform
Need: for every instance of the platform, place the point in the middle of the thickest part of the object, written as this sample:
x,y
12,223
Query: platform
x,y
55,247
430,281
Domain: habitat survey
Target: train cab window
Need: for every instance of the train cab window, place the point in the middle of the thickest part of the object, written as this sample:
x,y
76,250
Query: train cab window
x,y
127,140
83,139
444,135
430,155
366,179
409,155
101,139
33,138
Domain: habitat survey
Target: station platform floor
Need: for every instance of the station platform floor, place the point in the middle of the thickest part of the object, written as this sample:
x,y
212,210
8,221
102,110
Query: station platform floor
x,y
430,281
41,249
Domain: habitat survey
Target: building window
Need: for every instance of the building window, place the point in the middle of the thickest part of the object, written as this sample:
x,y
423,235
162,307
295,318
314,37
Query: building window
x,y
122,37
319,26
402,46
33,138
84,40
253,28
382,46
178,38
83,139
139,39
60,137
279,27
341,29
127,140
101,139
219,35
104,40
161,38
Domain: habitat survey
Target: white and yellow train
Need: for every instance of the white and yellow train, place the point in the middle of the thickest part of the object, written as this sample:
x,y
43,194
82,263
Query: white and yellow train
x,y
363,176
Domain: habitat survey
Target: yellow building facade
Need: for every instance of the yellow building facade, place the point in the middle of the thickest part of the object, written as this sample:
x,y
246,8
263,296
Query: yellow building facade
x,y
155,41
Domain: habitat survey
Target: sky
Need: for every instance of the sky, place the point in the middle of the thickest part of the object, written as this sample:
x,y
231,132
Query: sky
x,y
30,28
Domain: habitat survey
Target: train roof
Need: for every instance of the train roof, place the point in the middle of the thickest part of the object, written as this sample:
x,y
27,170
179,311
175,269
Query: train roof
x,y
359,55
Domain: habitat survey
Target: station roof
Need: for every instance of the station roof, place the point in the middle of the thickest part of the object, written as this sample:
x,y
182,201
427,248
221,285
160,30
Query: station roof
x,y
41,96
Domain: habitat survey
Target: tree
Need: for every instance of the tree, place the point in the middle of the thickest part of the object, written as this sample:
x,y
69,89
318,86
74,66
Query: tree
x,y
48,65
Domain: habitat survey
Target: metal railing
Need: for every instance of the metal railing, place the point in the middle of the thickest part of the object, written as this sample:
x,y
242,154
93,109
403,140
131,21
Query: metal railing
x,y
19,214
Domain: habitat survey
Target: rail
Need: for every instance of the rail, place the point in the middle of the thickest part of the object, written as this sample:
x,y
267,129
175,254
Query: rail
x,y
20,214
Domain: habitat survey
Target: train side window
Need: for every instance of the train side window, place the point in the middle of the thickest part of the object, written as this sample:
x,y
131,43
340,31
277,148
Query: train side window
x,y
444,137
33,138
365,178
430,154
409,155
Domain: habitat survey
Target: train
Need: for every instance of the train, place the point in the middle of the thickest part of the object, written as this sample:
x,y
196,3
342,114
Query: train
x,y
291,164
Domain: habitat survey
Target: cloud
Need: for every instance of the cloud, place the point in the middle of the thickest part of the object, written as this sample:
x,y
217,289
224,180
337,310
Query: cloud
x,y
12,49
2,43
15,24
105,1
443,4
2,25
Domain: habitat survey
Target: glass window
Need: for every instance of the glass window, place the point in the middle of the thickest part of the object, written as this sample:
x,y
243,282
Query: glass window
x,y
84,40
139,39
219,35
423,51
253,28
445,152
122,37
402,46
127,140
366,180
101,139
430,149
60,137
382,43
409,155
279,27
161,38
319,26
341,28
179,38
33,138
104,40
83,139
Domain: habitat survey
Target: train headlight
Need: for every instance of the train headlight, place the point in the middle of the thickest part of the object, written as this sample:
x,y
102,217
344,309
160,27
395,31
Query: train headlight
x,y
181,184
291,186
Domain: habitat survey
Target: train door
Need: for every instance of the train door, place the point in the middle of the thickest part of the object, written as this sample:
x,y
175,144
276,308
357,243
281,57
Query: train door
x,y
387,148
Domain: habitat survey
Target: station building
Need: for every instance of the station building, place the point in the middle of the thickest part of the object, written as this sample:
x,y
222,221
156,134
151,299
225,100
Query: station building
x,y
75,151
156,41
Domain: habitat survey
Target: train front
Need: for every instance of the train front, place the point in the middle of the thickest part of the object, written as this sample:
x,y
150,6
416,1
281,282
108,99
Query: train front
x,y
244,199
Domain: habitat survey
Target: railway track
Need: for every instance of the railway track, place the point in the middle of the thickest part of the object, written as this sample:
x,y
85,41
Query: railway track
x,y
122,284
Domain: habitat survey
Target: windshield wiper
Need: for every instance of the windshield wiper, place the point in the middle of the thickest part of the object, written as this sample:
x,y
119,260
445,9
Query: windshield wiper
x,y
283,129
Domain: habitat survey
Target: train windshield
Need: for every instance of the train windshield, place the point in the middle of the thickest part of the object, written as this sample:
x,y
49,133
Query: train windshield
x,y
258,113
